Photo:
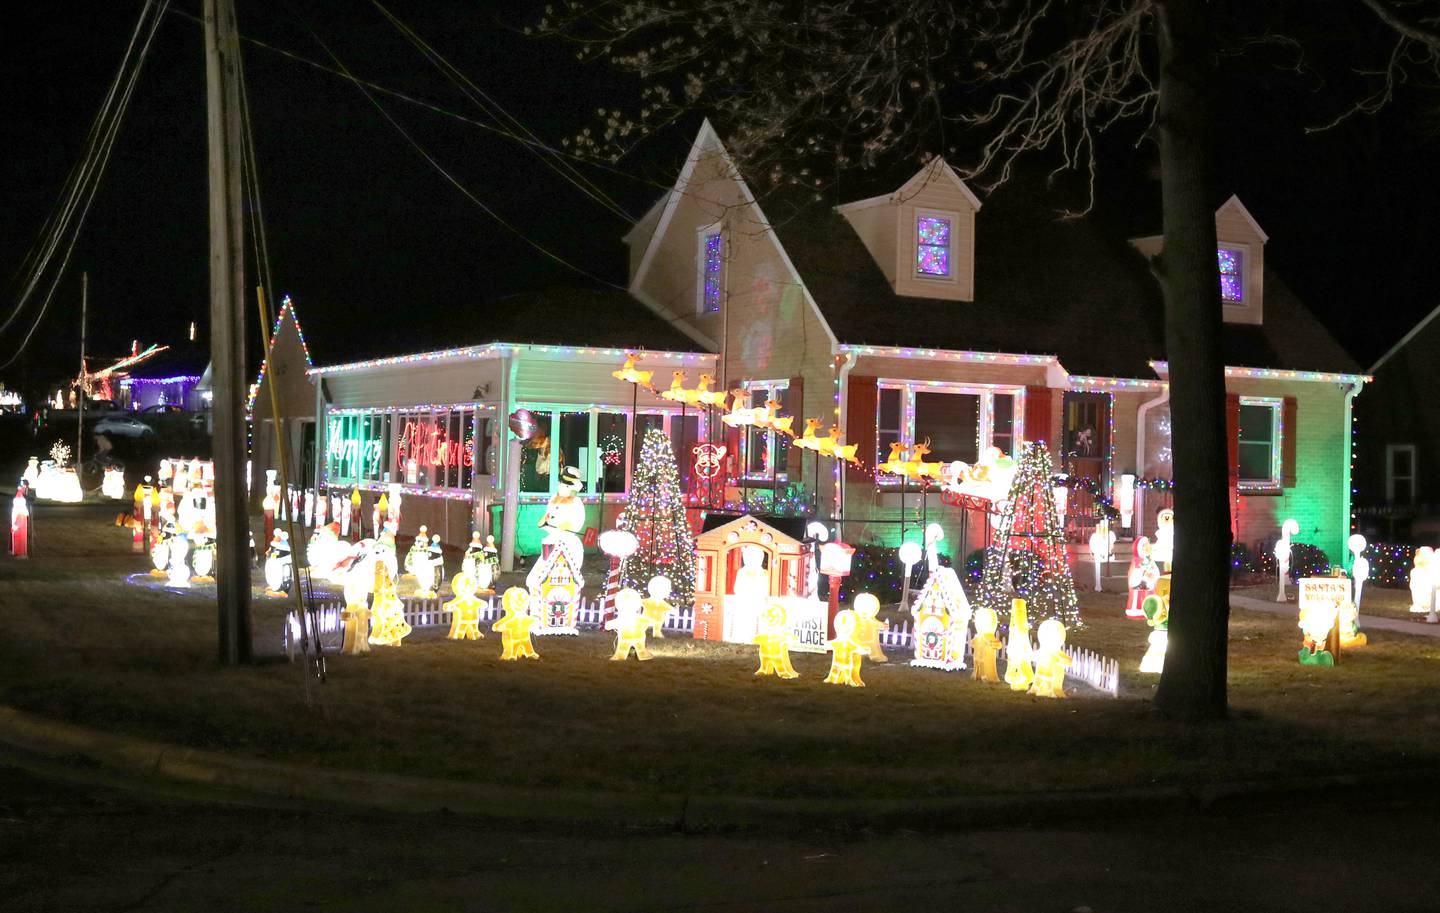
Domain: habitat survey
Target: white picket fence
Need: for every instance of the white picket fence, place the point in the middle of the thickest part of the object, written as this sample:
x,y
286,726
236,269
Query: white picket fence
x,y
1088,667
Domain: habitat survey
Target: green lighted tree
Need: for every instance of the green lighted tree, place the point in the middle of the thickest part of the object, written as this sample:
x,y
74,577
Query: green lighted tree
x,y
1028,559
656,515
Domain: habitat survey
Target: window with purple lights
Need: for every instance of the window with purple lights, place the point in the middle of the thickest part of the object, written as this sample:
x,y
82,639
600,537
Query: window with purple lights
x,y
932,246
711,265
1232,276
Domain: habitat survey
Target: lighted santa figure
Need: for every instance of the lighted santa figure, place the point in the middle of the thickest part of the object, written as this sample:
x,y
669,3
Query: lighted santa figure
x,y
1142,577
20,523
1164,553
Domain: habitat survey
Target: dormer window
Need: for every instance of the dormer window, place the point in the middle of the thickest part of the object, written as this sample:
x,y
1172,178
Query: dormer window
x,y
1232,276
711,267
933,240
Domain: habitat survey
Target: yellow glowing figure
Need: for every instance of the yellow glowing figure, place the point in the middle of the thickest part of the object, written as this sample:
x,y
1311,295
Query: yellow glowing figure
x,y
868,627
387,615
846,653
628,372
1350,633
985,646
358,581
464,610
629,625
1018,671
515,626
774,639
656,608
1050,661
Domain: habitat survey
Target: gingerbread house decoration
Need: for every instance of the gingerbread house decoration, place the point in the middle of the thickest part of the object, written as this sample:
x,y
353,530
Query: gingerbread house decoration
x,y
555,584
720,565
942,620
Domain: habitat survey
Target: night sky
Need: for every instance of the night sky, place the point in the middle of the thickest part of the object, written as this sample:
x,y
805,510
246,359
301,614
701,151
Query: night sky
x,y
370,240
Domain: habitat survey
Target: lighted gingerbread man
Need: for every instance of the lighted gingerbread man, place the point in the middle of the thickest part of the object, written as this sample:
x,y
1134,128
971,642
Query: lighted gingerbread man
x,y
774,639
464,609
515,626
1050,660
985,646
656,608
846,653
629,624
868,627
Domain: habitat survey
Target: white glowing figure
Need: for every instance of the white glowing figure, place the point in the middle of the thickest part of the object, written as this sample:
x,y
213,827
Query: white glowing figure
x,y
57,484
277,565
341,511
566,512
909,557
179,571
309,508
1125,498
112,485
202,557
1422,581
1062,500
20,524
1164,552
657,607
933,536
752,592
31,475
1360,567
321,502
1289,528
1102,548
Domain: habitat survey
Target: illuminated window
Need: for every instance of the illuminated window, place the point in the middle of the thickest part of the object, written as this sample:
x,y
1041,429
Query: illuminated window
x,y
1400,473
594,443
1232,276
958,422
711,270
932,246
767,453
1259,444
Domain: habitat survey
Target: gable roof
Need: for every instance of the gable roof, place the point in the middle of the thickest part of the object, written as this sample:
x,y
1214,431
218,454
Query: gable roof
x,y
936,168
1405,340
1043,286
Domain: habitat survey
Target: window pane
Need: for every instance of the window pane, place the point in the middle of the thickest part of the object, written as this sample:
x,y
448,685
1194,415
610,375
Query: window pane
x,y
610,441
1002,422
712,272
1232,277
644,423
889,410
1400,461
484,449
951,422
575,442
779,442
1257,423
932,248
1255,462
883,440
684,435
467,453
535,458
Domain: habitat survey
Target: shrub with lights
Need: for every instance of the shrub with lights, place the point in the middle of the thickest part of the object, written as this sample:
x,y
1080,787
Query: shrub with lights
x,y
877,569
656,516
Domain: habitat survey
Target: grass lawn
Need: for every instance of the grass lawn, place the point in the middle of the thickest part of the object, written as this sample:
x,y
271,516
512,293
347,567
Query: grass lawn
x,y
82,645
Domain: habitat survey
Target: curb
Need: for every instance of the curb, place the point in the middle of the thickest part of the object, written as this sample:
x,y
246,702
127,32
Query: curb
x,y
1367,622
359,791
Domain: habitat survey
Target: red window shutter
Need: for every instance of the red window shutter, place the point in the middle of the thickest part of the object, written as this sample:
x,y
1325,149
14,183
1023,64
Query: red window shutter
x,y
1232,438
795,402
1288,437
861,425
1038,412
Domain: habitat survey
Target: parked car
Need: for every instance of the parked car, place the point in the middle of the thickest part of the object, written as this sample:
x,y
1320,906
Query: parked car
x,y
162,409
126,426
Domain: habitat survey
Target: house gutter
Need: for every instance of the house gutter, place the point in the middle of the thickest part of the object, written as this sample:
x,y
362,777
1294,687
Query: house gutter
x,y
1141,413
842,413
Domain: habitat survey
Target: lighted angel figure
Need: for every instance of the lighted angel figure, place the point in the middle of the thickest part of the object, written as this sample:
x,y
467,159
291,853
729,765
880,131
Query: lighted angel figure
x,y
846,655
1050,660
630,626
514,627
388,626
985,646
1019,672
657,607
868,626
774,639
464,609
1282,556
1102,548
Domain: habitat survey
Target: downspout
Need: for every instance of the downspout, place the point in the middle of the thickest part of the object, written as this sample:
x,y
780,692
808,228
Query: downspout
x,y
842,416
321,427
1140,414
1347,519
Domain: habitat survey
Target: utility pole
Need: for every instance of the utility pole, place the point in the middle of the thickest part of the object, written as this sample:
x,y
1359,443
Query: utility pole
x,y
80,394
227,329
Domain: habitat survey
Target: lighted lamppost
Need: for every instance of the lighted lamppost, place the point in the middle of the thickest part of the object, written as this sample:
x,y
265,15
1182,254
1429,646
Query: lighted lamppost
x,y
619,544
910,555
835,561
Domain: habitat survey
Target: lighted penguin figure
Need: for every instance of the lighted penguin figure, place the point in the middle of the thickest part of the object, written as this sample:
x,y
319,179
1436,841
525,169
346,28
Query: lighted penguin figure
x,y
416,558
514,627
846,655
630,626
774,639
278,567
202,555
473,552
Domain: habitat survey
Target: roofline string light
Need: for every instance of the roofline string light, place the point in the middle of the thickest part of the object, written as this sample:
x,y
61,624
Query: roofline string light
x,y
470,353
285,305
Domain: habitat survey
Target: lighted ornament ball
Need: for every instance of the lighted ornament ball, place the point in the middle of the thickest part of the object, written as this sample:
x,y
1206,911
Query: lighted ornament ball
x,y
910,554
524,424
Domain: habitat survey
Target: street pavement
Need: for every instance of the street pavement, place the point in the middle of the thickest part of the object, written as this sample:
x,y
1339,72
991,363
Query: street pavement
x,y
73,840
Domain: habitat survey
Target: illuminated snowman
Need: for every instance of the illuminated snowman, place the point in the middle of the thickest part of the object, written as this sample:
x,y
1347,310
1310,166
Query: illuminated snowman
x,y
112,485
277,565
566,512
202,559
179,570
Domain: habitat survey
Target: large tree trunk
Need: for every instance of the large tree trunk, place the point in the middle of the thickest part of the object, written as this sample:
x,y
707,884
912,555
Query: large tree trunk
x,y
1193,683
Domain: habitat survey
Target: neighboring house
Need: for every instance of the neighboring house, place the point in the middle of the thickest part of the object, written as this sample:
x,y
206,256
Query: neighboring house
x,y
1397,440
923,314
171,378
434,422
296,390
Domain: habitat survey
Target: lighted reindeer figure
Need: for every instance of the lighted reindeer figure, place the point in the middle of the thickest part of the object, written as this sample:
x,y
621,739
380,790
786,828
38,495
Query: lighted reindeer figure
x,y
629,373
809,440
740,415
704,396
895,464
677,392
839,450
781,424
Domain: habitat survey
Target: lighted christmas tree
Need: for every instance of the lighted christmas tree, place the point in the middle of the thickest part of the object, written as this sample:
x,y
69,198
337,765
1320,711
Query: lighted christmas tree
x,y
1028,559
656,516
